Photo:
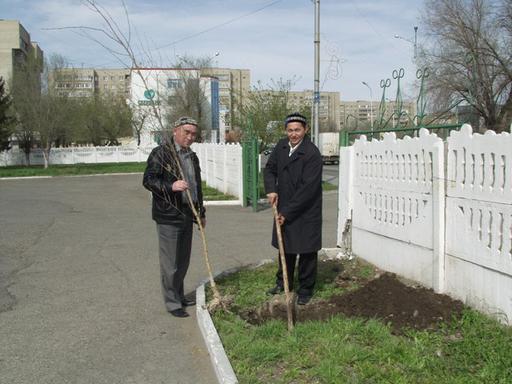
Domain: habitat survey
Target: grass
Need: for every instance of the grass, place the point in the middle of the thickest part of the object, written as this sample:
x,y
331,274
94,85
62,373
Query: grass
x,y
473,349
72,169
209,193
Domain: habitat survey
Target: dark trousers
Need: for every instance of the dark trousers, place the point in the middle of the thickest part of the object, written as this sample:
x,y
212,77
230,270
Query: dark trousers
x,y
307,272
174,244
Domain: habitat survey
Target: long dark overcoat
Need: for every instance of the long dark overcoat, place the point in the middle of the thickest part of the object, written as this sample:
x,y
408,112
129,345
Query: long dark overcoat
x,y
297,179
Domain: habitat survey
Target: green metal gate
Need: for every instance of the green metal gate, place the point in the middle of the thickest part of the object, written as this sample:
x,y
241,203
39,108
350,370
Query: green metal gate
x,y
250,152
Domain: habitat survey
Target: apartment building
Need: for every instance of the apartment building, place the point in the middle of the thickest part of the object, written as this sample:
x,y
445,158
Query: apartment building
x,y
328,115
16,48
114,82
234,86
362,114
86,82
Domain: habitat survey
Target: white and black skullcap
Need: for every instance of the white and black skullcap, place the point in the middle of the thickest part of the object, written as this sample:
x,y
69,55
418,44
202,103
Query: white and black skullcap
x,y
184,120
295,117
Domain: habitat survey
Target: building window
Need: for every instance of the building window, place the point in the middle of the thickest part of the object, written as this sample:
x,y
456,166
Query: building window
x,y
174,83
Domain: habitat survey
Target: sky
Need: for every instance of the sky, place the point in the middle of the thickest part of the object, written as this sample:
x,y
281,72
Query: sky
x,y
272,38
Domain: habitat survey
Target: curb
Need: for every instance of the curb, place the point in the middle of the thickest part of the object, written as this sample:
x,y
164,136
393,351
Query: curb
x,y
218,357
221,364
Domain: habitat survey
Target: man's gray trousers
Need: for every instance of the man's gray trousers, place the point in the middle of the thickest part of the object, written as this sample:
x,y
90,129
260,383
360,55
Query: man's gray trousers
x,y
175,243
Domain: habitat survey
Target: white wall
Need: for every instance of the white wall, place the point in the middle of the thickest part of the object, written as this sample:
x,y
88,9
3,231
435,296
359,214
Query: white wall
x,y
393,191
479,220
221,164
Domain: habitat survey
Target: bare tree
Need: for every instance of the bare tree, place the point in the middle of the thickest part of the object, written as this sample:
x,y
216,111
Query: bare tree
x,y
138,124
470,55
43,115
188,97
122,48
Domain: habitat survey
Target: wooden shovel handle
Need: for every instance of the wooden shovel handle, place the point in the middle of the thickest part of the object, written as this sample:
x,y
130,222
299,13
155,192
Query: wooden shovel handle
x,y
282,257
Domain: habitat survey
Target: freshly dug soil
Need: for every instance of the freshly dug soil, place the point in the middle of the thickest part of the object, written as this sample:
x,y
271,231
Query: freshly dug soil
x,y
384,297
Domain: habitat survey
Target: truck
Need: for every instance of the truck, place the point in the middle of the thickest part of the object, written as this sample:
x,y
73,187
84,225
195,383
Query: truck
x,y
329,146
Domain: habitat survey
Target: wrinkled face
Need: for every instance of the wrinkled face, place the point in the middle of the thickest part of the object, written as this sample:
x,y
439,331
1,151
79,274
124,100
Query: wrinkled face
x,y
185,135
296,132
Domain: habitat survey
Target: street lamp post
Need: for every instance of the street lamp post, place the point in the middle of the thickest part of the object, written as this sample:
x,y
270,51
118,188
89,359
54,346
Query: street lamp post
x,y
413,42
371,104
214,60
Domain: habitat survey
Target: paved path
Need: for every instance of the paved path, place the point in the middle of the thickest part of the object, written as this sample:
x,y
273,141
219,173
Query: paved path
x,y
79,290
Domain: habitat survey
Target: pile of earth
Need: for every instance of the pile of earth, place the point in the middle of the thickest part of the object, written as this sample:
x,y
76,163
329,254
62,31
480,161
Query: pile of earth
x,y
384,296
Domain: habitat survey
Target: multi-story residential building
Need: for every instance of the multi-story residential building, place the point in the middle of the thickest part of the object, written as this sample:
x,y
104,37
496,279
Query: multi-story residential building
x,y
85,82
234,86
73,82
361,114
16,48
114,82
329,115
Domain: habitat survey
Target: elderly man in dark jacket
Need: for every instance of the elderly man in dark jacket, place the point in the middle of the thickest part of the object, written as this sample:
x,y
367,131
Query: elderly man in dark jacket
x,y
171,209
293,181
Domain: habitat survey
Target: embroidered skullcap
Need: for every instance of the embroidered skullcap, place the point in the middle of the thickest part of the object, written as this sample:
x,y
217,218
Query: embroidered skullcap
x,y
295,117
184,120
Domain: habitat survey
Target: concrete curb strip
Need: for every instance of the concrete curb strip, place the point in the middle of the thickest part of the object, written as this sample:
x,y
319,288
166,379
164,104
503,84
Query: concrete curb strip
x,y
218,357
220,361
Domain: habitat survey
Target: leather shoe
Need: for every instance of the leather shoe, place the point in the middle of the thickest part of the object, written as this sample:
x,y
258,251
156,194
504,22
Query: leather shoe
x,y
303,299
179,313
188,302
276,290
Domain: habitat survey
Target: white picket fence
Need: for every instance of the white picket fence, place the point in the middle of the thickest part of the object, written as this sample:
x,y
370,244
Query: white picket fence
x,y
221,164
451,232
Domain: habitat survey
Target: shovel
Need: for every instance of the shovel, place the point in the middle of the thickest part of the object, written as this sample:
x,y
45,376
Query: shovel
x,y
289,304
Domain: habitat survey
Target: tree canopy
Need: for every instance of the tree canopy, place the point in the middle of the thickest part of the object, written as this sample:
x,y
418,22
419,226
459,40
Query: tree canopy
x,y
6,117
470,56
262,112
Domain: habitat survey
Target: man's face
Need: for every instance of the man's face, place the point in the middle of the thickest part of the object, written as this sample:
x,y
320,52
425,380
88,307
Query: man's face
x,y
296,132
185,135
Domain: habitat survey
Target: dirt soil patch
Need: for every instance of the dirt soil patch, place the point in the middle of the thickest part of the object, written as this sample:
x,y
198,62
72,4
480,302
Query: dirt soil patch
x,y
383,296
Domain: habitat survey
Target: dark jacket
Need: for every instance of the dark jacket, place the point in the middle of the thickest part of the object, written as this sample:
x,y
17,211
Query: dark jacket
x,y
297,179
161,172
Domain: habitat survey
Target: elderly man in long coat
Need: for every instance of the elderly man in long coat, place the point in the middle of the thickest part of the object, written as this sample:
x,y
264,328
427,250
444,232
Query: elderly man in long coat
x,y
293,181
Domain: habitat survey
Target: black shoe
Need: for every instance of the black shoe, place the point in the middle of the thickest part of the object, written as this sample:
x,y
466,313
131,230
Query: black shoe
x,y
188,302
276,290
179,313
303,299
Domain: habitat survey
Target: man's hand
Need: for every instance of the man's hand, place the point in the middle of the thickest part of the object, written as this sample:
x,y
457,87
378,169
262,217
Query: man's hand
x,y
280,219
179,186
272,198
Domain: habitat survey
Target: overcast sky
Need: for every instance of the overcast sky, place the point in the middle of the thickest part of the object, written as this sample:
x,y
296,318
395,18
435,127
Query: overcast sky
x,y
274,39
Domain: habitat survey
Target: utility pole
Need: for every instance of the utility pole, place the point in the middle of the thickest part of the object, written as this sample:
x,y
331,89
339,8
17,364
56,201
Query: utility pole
x,y
316,91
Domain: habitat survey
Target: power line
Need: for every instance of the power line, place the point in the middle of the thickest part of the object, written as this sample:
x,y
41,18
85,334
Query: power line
x,y
219,25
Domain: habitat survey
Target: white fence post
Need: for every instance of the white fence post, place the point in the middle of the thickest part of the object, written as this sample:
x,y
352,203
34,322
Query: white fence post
x,y
345,188
439,218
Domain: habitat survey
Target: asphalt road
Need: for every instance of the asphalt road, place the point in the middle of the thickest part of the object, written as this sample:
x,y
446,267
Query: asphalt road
x,y
80,297
331,174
